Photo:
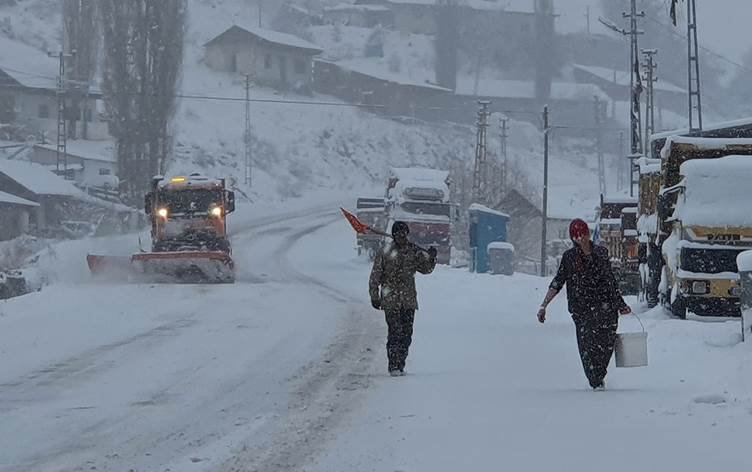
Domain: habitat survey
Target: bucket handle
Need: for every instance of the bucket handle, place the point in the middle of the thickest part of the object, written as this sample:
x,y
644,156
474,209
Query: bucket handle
x,y
639,321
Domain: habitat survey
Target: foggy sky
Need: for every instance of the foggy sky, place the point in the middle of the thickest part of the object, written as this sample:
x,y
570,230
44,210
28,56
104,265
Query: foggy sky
x,y
723,25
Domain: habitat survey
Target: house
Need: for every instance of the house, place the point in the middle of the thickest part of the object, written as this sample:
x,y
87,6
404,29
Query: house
x,y
569,102
15,214
360,15
34,184
269,57
525,230
616,83
368,84
89,163
28,95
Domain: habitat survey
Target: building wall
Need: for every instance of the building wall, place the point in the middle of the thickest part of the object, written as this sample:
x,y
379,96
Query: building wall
x,y
362,19
38,111
92,172
14,221
266,63
415,19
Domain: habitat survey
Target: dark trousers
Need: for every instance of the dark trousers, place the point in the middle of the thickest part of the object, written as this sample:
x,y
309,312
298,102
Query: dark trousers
x,y
400,336
596,336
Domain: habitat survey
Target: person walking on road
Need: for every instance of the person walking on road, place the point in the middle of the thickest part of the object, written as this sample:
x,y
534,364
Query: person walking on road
x,y
594,299
392,289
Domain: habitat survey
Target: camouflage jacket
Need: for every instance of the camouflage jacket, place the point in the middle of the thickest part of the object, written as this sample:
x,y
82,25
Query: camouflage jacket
x,y
393,276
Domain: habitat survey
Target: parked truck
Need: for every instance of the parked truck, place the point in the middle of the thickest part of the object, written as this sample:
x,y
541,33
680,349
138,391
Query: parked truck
x,y
617,231
700,224
420,197
371,211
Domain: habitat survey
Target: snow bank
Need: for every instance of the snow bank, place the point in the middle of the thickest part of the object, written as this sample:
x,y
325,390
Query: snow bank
x,y
744,261
718,192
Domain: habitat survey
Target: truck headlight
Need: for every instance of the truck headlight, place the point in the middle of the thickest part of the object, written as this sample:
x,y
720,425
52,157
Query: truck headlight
x,y
163,212
700,287
216,211
735,291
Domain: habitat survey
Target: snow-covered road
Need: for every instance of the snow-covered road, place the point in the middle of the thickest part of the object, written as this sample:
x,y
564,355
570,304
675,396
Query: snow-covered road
x,y
160,377
286,371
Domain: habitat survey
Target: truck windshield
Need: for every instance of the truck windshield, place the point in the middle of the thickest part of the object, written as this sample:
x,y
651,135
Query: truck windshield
x,y
190,201
433,209
709,261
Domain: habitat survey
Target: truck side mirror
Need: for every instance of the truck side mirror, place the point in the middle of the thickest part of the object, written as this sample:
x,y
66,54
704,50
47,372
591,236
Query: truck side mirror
x,y
230,202
148,200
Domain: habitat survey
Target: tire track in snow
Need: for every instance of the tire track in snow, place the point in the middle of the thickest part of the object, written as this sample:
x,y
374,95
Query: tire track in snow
x,y
322,391
326,389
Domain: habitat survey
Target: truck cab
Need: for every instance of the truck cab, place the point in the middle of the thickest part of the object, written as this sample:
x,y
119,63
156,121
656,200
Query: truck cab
x,y
189,213
420,197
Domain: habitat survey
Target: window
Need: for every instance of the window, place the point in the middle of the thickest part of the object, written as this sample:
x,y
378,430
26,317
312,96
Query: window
x,y
268,61
300,67
44,111
87,115
105,172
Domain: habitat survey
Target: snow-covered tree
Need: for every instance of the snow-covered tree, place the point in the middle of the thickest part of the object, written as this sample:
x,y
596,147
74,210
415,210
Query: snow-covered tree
x,y
143,58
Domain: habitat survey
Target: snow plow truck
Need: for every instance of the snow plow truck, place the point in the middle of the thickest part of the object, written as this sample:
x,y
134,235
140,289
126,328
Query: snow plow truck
x,y
188,233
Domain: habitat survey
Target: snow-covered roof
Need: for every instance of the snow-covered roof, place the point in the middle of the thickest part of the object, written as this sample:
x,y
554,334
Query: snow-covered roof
x,y
274,37
522,6
37,179
526,89
485,209
350,7
718,192
648,165
380,72
14,200
744,122
103,151
27,65
622,78
501,245
703,143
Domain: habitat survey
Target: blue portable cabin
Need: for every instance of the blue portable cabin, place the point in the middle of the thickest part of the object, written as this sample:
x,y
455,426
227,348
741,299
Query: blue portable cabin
x,y
486,226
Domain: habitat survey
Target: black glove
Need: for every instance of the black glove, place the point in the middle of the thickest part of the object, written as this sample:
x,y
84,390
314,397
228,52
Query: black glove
x,y
376,304
432,251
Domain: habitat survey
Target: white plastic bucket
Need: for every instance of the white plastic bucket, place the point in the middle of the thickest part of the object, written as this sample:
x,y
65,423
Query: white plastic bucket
x,y
632,349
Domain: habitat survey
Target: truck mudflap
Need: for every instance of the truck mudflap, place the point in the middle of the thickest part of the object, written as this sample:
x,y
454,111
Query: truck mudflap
x,y
185,266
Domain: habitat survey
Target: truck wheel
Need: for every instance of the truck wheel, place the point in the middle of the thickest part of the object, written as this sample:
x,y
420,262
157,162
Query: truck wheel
x,y
679,307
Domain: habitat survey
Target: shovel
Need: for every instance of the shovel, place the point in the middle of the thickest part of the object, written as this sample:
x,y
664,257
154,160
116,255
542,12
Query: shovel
x,y
362,228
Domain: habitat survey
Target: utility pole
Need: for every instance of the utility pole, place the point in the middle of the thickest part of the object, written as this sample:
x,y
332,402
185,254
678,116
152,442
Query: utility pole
x,y
650,67
620,169
61,152
504,156
544,218
599,118
260,5
635,82
587,18
693,65
481,153
247,135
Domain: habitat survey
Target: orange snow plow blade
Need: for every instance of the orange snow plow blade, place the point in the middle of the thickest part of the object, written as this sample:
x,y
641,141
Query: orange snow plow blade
x,y
165,267
109,267
188,266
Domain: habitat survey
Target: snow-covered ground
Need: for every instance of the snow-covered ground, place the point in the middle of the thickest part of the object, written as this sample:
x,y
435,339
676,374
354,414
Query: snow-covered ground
x,y
286,371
